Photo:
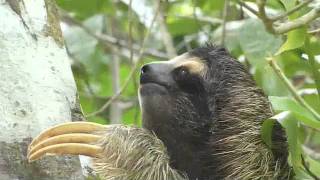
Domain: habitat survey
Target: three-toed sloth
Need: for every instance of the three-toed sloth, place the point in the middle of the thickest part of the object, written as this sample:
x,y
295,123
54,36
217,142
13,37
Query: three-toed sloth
x,y
202,116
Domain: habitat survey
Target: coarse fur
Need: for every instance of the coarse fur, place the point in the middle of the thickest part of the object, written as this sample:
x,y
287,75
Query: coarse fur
x,y
239,108
206,125
131,153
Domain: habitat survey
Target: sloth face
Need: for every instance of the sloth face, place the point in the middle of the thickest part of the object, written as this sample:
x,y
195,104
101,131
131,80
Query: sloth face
x,y
182,73
173,95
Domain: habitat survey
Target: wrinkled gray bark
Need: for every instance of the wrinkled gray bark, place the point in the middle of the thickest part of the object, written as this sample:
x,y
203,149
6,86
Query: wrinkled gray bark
x,y
37,89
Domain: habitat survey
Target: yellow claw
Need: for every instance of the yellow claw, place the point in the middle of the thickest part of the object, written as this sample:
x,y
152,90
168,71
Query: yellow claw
x,y
67,148
68,138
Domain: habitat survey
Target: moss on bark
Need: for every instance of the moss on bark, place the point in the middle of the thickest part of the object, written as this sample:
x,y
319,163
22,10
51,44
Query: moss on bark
x,y
52,28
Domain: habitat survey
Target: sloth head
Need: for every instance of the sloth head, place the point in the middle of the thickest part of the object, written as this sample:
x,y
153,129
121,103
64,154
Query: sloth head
x,y
182,99
173,94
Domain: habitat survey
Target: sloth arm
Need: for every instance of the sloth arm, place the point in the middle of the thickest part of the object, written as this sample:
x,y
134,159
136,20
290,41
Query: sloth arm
x,y
119,152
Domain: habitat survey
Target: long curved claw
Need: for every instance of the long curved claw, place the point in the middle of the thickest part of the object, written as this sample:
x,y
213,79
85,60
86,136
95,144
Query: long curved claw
x,y
67,148
65,138
68,138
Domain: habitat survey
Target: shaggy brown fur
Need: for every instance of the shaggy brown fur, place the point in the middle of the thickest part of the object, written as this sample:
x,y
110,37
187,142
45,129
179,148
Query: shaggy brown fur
x,y
237,147
207,126
238,151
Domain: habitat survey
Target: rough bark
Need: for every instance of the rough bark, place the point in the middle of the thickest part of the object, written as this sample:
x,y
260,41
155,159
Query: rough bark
x,y
37,89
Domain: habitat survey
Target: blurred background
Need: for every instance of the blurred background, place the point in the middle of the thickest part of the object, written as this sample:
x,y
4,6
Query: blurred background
x,y
109,40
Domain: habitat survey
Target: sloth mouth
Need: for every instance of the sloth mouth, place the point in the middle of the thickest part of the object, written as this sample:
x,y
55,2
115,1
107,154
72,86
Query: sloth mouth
x,y
149,81
154,84
151,87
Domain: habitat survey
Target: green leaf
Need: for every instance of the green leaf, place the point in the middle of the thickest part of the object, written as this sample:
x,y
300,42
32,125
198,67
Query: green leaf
x,y
266,131
312,100
183,26
232,42
291,62
211,5
257,43
314,46
98,120
287,104
289,4
295,39
314,165
83,9
132,117
270,82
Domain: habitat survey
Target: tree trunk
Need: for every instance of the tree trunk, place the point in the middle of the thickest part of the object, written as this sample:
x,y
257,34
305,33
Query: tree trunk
x,y
37,89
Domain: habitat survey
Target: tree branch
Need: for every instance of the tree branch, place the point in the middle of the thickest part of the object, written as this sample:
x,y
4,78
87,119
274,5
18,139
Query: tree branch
x,y
133,70
263,16
243,4
286,26
130,16
166,37
314,31
204,19
293,91
114,65
224,17
293,10
310,152
299,22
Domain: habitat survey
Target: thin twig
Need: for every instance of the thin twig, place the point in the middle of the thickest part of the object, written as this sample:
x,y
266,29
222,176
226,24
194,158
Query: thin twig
x,y
133,70
130,31
166,36
293,91
130,16
314,31
204,19
224,22
264,17
311,152
299,22
261,13
195,17
306,167
243,4
77,65
286,26
261,6
114,66
293,10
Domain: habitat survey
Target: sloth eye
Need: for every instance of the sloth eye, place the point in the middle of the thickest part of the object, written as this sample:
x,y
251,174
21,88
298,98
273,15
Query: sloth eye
x,y
183,72
186,81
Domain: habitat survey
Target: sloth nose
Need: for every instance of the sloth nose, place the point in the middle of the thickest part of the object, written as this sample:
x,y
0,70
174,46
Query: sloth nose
x,y
155,69
146,74
158,73
145,69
